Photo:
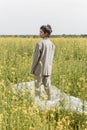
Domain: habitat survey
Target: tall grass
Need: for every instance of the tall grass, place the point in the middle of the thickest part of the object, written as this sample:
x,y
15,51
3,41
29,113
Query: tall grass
x,y
17,110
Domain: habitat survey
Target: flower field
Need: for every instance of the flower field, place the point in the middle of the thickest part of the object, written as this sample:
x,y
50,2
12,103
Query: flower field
x,y
69,74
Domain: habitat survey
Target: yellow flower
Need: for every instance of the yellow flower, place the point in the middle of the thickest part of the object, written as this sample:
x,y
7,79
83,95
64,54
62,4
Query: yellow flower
x,y
1,117
52,115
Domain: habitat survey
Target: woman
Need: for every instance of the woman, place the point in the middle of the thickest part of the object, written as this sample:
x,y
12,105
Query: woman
x,y
42,62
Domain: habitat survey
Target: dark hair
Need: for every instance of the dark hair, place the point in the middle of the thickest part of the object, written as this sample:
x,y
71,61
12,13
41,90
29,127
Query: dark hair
x,y
46,29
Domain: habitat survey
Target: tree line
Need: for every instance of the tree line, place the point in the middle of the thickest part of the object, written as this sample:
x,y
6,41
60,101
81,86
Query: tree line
x,y
63,35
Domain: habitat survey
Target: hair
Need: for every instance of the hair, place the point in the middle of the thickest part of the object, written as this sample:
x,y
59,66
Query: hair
x,y
46,29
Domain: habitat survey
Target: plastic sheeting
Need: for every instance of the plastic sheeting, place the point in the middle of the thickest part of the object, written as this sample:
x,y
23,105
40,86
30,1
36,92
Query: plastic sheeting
x,y
59,99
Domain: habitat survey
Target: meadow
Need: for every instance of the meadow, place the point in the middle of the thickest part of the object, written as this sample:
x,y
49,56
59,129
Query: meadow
x,y
69,74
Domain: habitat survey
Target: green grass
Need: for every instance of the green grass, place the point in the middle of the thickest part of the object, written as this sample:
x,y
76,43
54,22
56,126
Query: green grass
x,y
17,110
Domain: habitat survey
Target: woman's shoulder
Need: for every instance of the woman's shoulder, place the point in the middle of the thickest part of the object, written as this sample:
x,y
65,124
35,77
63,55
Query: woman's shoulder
x,y
52,44
40,44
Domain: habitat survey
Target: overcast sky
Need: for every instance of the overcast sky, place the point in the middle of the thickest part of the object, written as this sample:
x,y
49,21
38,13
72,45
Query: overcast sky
x,y
26,16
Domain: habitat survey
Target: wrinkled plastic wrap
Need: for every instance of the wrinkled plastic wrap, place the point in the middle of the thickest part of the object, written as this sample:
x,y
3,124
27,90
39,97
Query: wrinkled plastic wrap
x,y
59,99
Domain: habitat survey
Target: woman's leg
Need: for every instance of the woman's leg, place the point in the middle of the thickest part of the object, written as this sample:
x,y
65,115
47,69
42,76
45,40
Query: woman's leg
x,y
47,86
38,82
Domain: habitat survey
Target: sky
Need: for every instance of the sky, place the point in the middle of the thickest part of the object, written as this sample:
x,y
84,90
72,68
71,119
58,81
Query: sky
x,y
25,17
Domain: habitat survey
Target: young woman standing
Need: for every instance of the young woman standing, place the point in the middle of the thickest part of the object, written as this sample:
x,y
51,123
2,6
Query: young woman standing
x,y
42,61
